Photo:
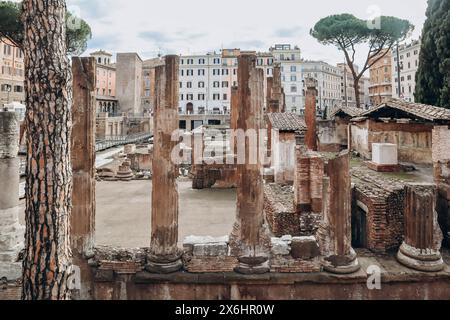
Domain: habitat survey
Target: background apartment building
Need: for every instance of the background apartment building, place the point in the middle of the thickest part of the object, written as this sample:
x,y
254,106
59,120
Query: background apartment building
x,y
408,59
329,83
106,83
290,60
11,73
206,80
380,88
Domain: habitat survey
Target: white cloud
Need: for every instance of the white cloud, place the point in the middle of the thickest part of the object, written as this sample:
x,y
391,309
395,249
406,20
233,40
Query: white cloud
x,y
198,26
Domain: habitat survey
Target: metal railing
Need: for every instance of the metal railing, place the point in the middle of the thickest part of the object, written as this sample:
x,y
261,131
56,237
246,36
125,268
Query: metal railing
x,y
111,142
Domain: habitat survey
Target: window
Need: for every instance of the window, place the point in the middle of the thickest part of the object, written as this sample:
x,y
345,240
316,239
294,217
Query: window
x,y
225,96
181,97
216,84
216,60
293,88
225,72
216,96
190,96
201,72
182,72
216,72
293,69
201,84
293,78
189,72
181,85
189,85
6,87
147,93
201,61
201,96
224,84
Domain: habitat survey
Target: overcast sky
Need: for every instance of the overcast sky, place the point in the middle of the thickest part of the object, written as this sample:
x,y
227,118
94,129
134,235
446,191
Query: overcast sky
x,y
198,26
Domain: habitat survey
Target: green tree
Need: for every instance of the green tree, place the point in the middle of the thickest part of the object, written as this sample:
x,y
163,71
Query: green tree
x,y
346,32
433,76
11,27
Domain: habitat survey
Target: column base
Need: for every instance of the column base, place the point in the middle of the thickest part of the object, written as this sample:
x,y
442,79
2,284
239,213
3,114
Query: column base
x,y
420,260
342,264
253,265
164,264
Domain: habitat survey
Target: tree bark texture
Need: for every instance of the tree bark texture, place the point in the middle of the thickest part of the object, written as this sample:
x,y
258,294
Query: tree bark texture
x,y
47,260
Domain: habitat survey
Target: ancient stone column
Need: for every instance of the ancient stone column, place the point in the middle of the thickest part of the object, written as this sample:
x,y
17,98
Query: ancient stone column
x,y
423,236
252,255
335,235
82,224
310,114
11,232
164,255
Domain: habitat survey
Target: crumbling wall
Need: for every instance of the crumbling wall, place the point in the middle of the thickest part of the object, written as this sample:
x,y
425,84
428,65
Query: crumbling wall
x,y
223,176
441,163
333,135
385,201
414,141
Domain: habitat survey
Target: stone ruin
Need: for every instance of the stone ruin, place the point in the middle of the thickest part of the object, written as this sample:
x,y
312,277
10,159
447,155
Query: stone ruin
x,y
254,261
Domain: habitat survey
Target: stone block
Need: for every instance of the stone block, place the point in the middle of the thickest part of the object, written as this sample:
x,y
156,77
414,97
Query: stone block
x,y
385,153
280,247
190,241
211,249
304,248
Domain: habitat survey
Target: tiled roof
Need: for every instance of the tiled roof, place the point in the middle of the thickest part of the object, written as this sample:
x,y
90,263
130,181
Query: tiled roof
x,y
427,112
351,111
287,121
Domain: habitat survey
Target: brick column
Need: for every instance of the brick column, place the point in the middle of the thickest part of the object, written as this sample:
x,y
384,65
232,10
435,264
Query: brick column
x,y
423,236
82,223
277,88
11,232
335,234
165,256
269,88
252,255
310,114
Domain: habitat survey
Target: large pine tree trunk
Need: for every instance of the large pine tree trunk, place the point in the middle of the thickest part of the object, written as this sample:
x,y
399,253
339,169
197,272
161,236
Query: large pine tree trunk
x,y
47,261
357,91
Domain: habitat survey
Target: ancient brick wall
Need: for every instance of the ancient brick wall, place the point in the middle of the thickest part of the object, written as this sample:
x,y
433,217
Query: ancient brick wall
x,y
217,175
385,201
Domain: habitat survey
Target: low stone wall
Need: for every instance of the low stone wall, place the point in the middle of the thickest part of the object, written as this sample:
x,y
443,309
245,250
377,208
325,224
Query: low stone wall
x,y
223,176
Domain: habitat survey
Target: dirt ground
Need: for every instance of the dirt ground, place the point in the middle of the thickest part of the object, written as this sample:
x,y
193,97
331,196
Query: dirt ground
x,y
123,217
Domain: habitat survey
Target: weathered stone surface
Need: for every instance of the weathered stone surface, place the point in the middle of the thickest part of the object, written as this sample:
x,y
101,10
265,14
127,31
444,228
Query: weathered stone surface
x,y
250,230
423,236
280,247
9,134
211,249
11,232
190,241
304,248
334,234
165,256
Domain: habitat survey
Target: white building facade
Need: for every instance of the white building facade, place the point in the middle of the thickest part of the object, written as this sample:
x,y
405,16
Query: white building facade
x,y
409,64
206,80
329,83
291,75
